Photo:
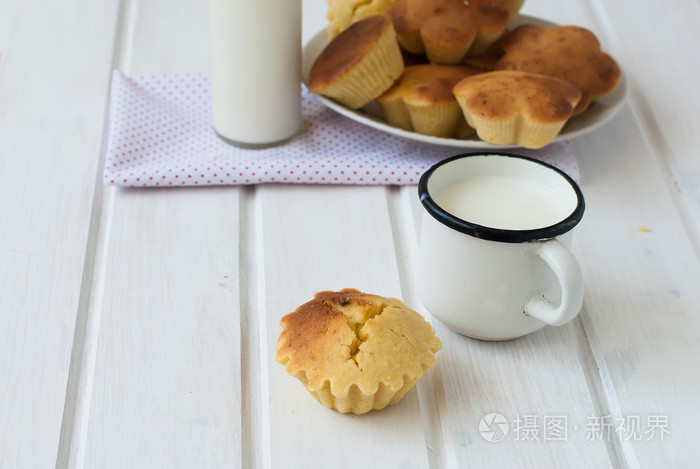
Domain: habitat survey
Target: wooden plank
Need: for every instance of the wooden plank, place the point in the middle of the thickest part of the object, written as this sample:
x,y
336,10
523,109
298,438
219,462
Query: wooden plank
x,y
167,382
162,36
168,387
662,103
312,243
642,274
51,122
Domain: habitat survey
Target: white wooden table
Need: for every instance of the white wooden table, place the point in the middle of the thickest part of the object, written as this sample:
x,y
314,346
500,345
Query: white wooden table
x,y
137,327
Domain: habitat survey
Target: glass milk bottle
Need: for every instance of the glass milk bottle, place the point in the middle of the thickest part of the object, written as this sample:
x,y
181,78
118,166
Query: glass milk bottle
x,y
256,70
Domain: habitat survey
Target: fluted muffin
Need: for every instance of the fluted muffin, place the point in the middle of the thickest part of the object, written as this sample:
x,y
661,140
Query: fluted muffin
x,y
570,53
507,107
422,101
448,30
358,64
356,352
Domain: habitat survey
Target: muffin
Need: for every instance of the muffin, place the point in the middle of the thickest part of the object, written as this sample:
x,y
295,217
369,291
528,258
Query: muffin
x,y
570,53
448,30
358,64
522,108
356,352
422,101
342,13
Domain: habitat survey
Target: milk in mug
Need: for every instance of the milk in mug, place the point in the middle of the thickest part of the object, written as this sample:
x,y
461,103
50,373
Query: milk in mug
x,y
256,70
504,202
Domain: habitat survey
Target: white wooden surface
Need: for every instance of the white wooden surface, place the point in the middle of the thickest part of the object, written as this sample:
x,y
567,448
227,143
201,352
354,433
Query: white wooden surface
x,y
137,328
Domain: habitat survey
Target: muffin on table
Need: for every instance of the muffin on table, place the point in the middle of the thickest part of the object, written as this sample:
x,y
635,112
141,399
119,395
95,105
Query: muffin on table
x,y
356,352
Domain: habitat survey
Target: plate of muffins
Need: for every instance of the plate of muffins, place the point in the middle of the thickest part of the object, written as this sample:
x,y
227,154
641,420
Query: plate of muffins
x,y
462,73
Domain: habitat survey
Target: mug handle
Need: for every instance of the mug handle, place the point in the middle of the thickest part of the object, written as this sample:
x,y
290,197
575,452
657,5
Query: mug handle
x,y
568,272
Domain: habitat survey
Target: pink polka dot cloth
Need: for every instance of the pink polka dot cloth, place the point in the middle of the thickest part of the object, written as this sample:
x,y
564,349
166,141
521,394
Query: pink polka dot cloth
x,y
160,135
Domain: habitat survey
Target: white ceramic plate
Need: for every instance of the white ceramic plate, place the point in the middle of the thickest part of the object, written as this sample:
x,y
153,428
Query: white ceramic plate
x,y
599,113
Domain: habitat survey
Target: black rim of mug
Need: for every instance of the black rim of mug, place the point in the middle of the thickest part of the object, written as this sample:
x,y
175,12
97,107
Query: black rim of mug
x,y
496,234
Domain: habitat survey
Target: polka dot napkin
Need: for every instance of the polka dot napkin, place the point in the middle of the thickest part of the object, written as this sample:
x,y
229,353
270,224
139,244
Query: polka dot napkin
x,y
160,135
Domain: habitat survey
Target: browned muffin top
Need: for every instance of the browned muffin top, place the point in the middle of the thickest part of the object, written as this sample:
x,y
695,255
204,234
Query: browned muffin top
x,y
504,94
346,50
428,84
569,53
345,338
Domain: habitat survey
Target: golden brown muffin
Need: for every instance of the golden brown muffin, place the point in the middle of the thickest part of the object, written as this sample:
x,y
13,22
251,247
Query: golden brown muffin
x,y
342,13
448,30
569,53
356,352
422,101
507,107
358,64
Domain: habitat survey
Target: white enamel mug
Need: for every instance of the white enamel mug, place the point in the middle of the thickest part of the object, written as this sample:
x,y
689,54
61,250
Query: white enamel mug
x,y
494,260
